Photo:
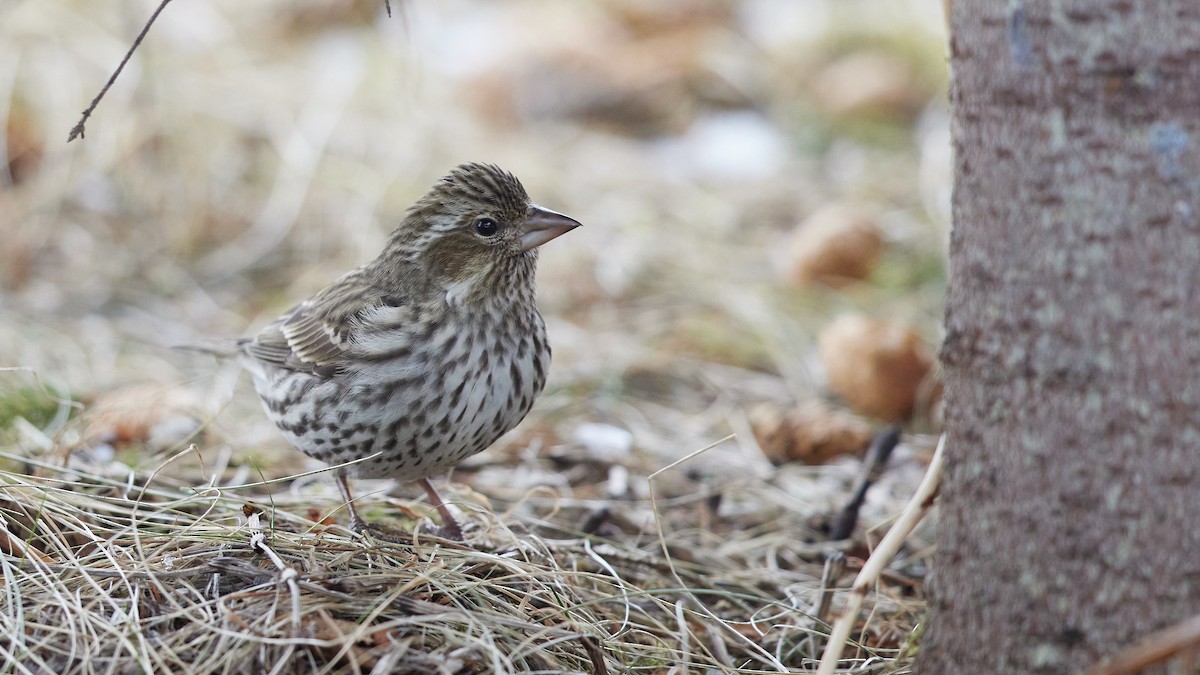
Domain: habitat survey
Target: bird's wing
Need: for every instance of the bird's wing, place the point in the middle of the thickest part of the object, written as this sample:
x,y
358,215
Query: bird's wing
x,y
348,321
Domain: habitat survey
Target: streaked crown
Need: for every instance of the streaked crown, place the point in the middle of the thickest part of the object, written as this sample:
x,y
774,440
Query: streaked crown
x,y
476,226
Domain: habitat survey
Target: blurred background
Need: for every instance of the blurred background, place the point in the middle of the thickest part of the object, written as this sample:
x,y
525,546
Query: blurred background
x,y
764,187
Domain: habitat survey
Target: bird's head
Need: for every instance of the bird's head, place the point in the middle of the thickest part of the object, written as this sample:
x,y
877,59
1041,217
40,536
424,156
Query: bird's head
x,y
477,224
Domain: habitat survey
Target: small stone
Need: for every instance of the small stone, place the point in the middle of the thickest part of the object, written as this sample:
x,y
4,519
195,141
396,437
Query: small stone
x,y
604,442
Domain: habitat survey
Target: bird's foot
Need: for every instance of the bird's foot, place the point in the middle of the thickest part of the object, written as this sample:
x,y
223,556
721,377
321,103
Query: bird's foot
x,y
380,532
450,531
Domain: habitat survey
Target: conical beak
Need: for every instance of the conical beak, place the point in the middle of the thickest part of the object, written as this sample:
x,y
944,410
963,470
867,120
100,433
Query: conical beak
x,y
542,225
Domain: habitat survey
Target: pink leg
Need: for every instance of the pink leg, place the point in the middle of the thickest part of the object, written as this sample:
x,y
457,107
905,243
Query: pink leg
x,y
356,522
449,528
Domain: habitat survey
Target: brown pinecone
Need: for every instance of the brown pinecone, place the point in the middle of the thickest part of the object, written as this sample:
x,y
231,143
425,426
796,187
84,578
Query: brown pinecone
x,y
426,355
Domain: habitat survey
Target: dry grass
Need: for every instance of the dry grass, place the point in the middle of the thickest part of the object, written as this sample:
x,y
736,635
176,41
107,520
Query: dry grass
x,y
112,575
154,521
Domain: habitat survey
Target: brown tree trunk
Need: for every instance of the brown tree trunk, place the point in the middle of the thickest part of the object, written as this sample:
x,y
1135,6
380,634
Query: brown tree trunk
x,y
1070,512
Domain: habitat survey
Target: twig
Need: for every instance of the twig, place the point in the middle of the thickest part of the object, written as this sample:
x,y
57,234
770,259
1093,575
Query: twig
x,y
1151,650
877,459
287,573
835,564
917,507
77,130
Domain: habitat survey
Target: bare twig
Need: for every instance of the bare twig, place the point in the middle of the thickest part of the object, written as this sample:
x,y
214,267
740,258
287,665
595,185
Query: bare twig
x,y
917,507
877,459
287,573
78,129
835,564
1155,648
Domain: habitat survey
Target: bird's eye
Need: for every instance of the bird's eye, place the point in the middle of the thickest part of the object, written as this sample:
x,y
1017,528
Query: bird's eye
x,y
486,227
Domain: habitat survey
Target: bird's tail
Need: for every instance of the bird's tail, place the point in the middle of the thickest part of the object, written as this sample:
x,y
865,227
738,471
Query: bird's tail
x,y
223,348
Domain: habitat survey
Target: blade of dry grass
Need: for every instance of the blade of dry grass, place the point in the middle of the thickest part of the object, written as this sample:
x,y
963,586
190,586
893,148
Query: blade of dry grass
x,y
868,576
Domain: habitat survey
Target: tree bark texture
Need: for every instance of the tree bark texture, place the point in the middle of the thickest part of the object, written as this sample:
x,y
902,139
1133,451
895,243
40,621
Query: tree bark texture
x,y
1070,512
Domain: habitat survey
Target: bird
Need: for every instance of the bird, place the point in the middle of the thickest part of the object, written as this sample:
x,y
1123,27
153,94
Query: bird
x,y
425,355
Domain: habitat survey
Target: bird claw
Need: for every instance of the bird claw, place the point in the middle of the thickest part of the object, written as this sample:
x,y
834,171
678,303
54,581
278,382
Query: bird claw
x,y
450,531
364,528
